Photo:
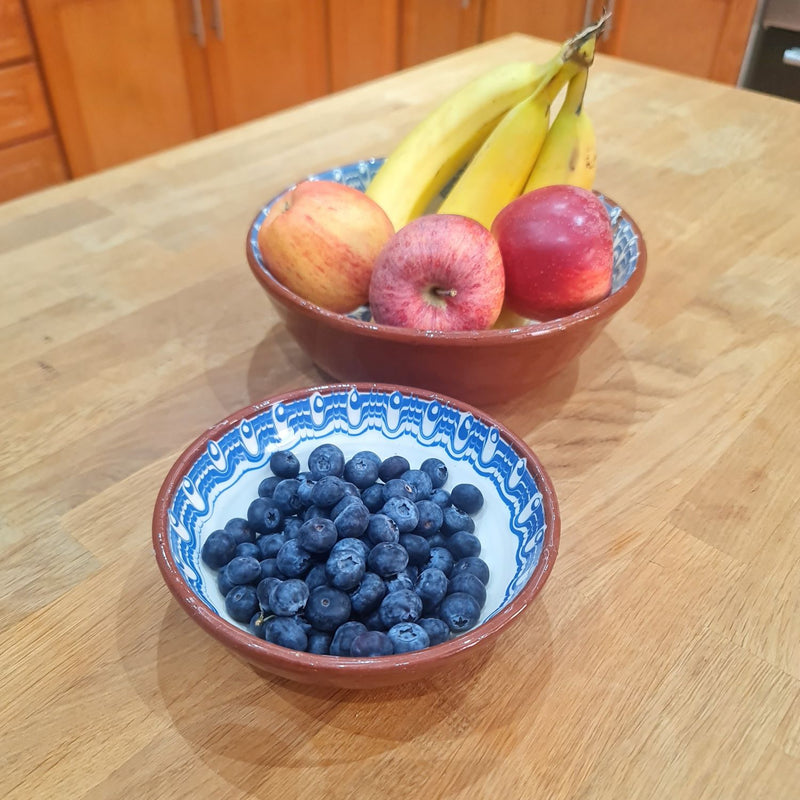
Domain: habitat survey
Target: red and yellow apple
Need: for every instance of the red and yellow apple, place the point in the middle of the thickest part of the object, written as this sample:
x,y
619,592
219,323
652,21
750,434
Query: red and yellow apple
x,y
320,239
440,272
557,248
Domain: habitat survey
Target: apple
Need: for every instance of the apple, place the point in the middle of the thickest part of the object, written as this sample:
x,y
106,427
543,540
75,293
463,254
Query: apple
x,y
557,248
320,239
440,272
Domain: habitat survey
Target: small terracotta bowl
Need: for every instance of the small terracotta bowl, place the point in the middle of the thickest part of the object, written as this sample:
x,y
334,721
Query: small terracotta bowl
x,y
218,475
481,367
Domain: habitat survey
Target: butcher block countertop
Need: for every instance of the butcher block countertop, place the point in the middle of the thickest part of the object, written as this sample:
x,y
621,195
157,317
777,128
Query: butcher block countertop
x,y
662,659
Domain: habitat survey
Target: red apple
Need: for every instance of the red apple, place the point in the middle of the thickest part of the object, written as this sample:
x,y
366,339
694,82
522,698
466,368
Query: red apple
x,y
320,239
557,248
440,272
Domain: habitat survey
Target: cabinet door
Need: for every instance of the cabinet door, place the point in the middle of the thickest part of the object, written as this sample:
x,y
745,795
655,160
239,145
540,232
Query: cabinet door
x,y
542,18
117,77
697,37
433,28
265,55
363,40
14,41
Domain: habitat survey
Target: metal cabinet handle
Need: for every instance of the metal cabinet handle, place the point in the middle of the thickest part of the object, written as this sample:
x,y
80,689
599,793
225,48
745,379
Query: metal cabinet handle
x,y
792,56
198,23
216,18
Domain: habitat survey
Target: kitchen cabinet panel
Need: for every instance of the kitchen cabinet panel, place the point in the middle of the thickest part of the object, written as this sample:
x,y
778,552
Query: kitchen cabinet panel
x,y
363,39
117,78
23,108
14,40
543,18
433,28
30,165
265,55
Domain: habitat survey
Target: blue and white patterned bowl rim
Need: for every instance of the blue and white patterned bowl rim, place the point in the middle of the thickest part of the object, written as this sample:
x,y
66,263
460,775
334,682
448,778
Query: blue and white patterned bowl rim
x,y
224,478
359,174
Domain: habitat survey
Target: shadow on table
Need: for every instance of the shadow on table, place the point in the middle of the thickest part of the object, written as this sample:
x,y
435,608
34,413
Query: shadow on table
x,y
231,715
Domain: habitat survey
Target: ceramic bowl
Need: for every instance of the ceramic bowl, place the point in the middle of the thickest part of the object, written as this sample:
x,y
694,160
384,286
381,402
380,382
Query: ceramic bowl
x,y
481,367
217,476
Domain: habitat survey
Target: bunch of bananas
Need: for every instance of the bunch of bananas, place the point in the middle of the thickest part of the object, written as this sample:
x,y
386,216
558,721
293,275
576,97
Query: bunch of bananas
x,y
492,140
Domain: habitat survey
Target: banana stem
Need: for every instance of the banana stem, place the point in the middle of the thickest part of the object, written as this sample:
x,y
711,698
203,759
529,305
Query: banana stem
x,y
576,91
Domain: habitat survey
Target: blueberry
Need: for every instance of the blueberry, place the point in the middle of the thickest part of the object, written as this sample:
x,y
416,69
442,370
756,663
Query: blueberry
x,y
392,467
387,558
464,545
442,559
327,608
267,486
351,545
373,620
470,584
327,459
343,638
367,596
403,511
437,629
319,642
243,569
474,565
431,587
381,528
286,498
304,489
269,544
399,581
372,497
460,611
397,487
345,569
224,583
441,497
342,504
436,470
316,512
353,520
420,481
241,603
284,464
328,491
240,530
406,637
257,623
412,572
291,527
402,606
287,632
362,469
218,549
316,577
248,549
288,597
430,517
467,497
293,560
317,535
371,643
262,593
269,568
456,520
264,516
437,540
417,547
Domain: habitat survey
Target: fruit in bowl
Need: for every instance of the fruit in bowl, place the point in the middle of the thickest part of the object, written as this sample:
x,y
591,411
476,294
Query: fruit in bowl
x,y
497,485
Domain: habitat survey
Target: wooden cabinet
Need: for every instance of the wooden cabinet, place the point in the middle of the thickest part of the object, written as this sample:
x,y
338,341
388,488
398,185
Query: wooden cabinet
x,y
363,40
132,77
433,28
543,18
30,156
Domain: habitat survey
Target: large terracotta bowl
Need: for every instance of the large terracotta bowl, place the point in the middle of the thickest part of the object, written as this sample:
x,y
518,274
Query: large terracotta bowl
x,y
218,475
482,367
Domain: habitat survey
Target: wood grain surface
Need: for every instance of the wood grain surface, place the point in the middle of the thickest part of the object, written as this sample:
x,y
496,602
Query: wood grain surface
x,y
662,659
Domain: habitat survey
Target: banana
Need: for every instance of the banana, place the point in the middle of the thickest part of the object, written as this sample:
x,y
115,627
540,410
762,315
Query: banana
x,y
569,154
428,158
497,173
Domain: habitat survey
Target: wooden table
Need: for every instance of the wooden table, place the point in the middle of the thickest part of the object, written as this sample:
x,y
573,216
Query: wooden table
x,y
662,659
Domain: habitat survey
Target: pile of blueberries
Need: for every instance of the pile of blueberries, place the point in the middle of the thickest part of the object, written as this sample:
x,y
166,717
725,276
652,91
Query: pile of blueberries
x,y
353,557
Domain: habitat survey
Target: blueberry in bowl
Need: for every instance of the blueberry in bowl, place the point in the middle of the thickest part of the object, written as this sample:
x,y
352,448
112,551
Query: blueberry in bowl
x,y
345,583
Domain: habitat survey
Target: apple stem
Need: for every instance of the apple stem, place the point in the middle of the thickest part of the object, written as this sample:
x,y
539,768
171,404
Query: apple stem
x,y
444,292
